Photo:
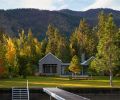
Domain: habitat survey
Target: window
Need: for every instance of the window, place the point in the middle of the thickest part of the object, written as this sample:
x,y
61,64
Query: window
x,y
50,68
54,70
46,68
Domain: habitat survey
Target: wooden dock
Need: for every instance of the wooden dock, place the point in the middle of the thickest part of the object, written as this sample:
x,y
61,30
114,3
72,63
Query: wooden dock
x,y
60,94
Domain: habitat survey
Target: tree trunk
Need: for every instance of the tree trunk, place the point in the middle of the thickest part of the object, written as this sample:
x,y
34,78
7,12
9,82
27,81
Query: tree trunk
x,y
75,75
82,60
111,76
83,57
72,75
10,72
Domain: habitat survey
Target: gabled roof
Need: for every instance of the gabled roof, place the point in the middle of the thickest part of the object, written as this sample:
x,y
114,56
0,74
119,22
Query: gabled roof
x,y
87,62
51,55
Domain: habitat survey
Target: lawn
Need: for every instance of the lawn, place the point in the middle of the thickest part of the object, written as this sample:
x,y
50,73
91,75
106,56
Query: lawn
x,y
96,82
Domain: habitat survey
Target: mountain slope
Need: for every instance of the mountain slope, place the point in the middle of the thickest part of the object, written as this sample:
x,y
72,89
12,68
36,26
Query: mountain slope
x,y
65,20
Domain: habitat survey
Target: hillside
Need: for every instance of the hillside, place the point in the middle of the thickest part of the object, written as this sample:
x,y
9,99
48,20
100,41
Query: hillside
x,y
38,20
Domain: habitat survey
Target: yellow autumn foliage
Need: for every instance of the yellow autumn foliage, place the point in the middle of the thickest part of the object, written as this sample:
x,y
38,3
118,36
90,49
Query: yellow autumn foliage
x,y
11,51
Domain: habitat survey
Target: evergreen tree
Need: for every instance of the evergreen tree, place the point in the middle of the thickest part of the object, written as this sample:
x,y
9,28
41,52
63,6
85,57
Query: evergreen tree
x,y
82,41
63,50
2,32
52,39
74,46
43,47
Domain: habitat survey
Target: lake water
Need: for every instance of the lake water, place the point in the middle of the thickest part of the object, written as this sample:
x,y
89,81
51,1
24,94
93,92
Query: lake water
x,y
90,96
93,94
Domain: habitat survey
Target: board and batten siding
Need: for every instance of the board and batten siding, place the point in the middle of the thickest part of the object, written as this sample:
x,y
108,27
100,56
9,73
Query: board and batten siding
x,y
50,59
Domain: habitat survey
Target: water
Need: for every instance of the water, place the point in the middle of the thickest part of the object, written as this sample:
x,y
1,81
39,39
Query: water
x,y
102,96
92,94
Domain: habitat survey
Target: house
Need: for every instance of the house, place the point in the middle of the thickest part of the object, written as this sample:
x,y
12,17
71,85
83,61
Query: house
x,y
51,65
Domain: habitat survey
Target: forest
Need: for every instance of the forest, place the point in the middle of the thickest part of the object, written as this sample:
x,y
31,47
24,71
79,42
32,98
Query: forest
x,y
19,56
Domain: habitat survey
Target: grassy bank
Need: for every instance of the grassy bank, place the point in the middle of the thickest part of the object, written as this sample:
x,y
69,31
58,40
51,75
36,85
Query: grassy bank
x,y
96,82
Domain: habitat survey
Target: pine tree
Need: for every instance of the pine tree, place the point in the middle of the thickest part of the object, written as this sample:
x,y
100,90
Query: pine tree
x,y
43,47
63,50
74,46
85,39
51,46
2,32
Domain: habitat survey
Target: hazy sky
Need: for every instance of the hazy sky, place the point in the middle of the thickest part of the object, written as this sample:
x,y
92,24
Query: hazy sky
x,y
79,5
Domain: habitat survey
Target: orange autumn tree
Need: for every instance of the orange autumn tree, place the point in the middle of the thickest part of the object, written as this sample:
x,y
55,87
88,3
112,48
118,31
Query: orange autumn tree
x,y
2,69
2,54
11,57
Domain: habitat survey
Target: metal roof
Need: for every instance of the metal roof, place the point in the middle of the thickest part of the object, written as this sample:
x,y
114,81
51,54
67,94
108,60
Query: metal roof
x,y
87,62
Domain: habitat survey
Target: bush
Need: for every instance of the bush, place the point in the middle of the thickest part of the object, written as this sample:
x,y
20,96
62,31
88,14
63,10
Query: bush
x,y
70,77
5,75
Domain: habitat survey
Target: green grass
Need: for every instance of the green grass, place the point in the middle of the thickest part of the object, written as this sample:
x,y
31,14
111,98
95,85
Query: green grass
x,y
96,82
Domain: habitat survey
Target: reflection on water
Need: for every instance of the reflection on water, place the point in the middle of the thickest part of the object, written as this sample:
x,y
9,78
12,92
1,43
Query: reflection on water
x,y
44,96
40,95
102,96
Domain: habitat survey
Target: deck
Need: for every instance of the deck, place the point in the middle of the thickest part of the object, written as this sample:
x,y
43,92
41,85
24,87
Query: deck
x,y
60,94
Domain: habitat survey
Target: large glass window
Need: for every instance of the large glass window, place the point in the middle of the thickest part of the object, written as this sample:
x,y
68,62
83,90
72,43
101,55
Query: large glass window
x,y
46,68
54,69
50,68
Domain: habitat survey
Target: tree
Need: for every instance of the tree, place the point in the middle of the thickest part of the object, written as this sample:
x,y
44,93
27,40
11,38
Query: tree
x,y
82,41
2,32
117,43
52,39
74,46
75,65
102,18
63,50
11,58
23,44
43,47
28,53
107,51
23,61
3,69
86,40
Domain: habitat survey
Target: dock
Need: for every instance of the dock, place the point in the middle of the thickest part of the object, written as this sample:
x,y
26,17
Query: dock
x,y
60,94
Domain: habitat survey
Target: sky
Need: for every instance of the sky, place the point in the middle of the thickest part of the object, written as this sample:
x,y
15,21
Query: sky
x,y
78,5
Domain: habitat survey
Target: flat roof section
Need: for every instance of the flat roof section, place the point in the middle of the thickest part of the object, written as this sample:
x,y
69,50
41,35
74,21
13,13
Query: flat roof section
x,y
60,94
